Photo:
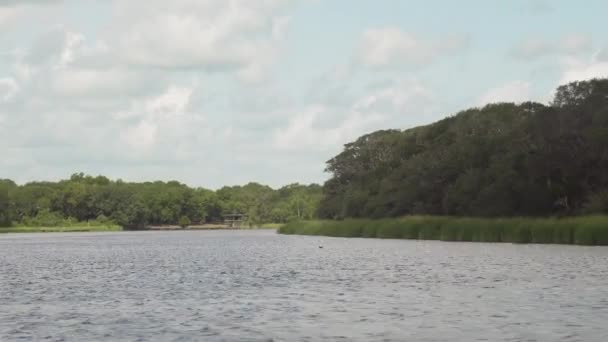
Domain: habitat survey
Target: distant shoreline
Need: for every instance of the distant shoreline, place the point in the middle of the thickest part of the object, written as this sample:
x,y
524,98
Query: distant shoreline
x,y
116,228
199,227
64,229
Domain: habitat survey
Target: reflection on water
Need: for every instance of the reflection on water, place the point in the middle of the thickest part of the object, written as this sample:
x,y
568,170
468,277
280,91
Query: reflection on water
x,y
258,286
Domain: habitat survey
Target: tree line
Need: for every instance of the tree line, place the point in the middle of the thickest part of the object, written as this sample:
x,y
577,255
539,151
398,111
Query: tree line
x,y
87,198
503,159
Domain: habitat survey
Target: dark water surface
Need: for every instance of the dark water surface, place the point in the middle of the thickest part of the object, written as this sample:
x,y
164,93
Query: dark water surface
x,y
259,286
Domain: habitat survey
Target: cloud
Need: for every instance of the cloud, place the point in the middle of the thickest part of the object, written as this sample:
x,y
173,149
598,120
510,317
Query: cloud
x,y
7,16
159,123
161,128
602,56
71,66
173,102
10,3
212,35
580,69
96,82
322,127
53,47
391,47
516,91
569,44
109,116
141,135
62,68
243,38
22,12
8,89
303,131
147,88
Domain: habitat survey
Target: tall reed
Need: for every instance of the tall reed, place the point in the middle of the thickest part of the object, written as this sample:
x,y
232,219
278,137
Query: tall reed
x,y
583,230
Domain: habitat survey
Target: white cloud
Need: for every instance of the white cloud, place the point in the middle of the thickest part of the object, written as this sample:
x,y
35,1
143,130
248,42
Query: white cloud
x,y
10,3
390,46
214,35
141,135
173,102
568,44
579,69
394,97
8,15
304,131
56,48
123,98
14,13
165,117
602,56
516,91
237,36
72,42
8,89
65,68
322,127
91,82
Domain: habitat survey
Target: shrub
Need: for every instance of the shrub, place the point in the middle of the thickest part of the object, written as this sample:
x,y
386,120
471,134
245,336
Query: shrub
x,y
184,222
597,203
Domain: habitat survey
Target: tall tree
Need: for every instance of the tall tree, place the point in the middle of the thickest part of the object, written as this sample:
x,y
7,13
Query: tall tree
x,y
500,160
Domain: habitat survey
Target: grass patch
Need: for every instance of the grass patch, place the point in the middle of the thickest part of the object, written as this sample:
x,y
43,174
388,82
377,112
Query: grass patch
x,y
582,230
271,225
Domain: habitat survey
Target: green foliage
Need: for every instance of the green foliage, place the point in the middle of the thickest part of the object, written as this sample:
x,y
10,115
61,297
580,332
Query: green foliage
x,y
46,218
6,215
83,198
103,219
271,225
184,222
585,230
597,203
501,160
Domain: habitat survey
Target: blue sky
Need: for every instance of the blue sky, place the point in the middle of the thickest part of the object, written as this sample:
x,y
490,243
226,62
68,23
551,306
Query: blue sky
x,y
216,92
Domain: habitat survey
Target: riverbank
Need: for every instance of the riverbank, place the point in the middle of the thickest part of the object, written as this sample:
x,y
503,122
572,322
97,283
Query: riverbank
x,y
209,226
114,228
111,228
586,230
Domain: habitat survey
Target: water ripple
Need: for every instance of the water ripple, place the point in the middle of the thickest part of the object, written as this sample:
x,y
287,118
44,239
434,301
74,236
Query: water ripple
x,y
259,286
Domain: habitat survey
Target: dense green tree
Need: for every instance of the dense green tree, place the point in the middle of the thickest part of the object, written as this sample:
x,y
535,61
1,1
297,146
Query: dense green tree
x,y
6,207
135,205
500,160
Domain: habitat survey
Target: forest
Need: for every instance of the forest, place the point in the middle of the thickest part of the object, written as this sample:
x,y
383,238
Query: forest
x,y
502,160
84,198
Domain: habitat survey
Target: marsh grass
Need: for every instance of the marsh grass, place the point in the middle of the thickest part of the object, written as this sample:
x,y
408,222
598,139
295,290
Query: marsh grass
x,y
583,230
270,226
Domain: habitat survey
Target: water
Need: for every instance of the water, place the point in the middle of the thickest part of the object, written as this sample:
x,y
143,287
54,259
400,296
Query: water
x,y
259,286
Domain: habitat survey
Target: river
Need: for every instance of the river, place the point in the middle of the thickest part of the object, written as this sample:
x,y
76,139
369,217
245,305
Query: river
x,y
260,286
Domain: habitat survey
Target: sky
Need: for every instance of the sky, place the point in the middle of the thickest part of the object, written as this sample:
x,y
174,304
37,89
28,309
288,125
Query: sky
x,y
224,92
